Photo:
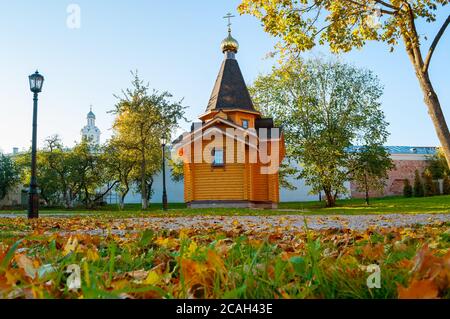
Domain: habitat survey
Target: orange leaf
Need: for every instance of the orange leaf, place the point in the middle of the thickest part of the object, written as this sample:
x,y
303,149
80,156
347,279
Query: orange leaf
x,y
373,252
419,289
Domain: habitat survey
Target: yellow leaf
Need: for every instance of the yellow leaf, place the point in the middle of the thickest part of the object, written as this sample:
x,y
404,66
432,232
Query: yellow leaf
x,y
71,246
192,248
12,276
152,278
92,255
167,242
183,234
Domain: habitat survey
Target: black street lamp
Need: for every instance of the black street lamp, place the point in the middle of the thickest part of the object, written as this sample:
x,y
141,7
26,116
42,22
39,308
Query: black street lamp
x,y
164,195
36,82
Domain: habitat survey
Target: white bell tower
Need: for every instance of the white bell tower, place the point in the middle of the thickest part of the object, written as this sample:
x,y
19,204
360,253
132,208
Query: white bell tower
x,y
90,131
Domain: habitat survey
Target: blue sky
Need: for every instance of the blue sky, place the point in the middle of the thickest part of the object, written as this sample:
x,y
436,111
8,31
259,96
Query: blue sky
x,y
175,46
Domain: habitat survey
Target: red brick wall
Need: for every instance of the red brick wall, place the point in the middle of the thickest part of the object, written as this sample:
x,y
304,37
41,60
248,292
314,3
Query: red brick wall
x,y
394,184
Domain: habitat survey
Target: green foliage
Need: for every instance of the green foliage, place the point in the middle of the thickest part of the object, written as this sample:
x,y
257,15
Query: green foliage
x,y
120,164
370,168
407,188
142,119
437,164
343,24
445,185
9,175
428,185
68,176
176,170
51,167
418,190
347,24
88,171
286,171
325,107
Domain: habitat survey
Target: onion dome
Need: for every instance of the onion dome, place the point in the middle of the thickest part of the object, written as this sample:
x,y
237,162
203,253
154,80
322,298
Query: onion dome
x,y
229,44
91,114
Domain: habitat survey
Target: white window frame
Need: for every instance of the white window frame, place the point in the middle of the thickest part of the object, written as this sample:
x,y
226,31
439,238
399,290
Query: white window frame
x,y
221,161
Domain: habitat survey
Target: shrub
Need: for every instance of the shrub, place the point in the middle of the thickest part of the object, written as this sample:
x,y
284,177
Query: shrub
x,y
429,187
446,184
418,186
407,188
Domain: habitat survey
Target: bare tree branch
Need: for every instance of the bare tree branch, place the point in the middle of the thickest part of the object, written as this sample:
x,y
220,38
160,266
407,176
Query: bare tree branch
x,y
365,7
414,38
388,5
434,44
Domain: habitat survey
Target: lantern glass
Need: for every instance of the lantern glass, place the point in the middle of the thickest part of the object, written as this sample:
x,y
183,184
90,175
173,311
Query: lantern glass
x,y
164,139
36,82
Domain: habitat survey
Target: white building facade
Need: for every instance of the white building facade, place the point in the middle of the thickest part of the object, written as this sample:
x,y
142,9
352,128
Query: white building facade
x,y
90,131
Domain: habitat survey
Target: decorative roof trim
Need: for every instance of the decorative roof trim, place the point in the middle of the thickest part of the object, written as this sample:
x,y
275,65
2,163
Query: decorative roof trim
x,y
229,110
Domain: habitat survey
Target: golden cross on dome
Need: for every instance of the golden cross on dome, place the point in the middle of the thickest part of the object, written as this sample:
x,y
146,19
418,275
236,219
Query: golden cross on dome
x,y
229,16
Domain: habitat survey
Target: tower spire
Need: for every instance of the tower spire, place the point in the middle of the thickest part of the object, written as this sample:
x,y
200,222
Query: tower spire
x,y
230,91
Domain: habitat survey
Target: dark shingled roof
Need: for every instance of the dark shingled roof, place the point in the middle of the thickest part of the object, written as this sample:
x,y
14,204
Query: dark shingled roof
x,y
230,91
264,123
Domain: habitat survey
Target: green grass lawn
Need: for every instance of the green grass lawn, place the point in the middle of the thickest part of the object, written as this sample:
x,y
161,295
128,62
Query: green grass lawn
x,y
48,262
387,205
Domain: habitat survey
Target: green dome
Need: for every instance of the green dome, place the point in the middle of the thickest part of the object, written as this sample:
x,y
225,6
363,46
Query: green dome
x,y
229,44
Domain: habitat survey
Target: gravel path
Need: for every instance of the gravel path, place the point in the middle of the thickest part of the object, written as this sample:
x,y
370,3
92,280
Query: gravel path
x,y
293,222
262,223
267,224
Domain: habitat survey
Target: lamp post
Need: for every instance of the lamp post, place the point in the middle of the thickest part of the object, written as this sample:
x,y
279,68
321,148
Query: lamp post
x,y
36,82
164,194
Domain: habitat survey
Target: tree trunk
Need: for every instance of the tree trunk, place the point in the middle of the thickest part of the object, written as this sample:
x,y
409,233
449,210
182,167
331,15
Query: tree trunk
x,y
367,189
144,196
68,199
122,198
435,112
330,199
87,200
122,201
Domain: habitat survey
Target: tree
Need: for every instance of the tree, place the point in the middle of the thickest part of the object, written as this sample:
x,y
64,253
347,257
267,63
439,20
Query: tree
x,y
418,186
177,169
69,175
407,188
445,185
438,165
142,118
88,172
348,24
428,185
325,107
370,169
9,175
285,172
49,185
120,165
58,160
